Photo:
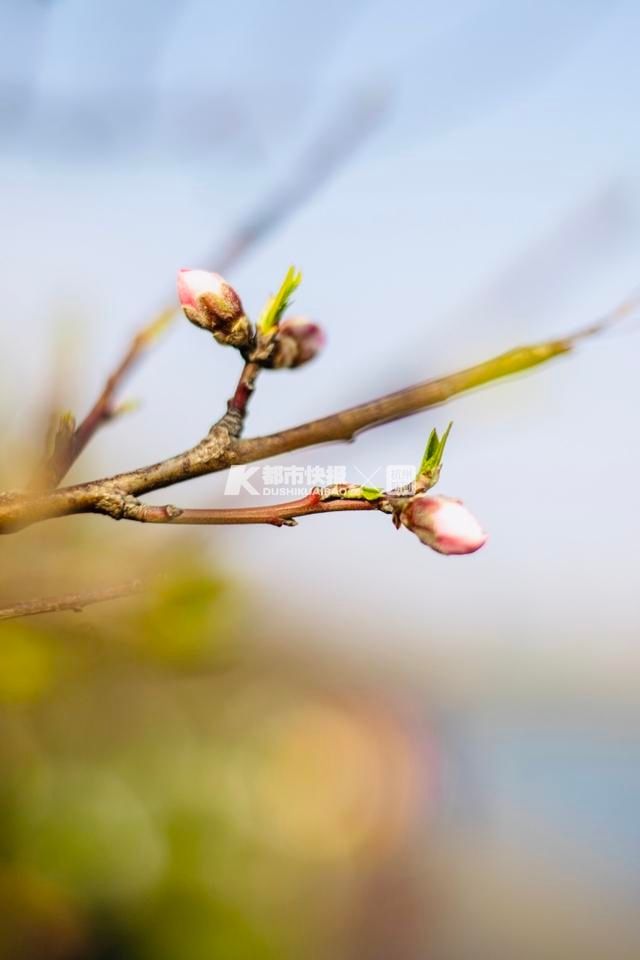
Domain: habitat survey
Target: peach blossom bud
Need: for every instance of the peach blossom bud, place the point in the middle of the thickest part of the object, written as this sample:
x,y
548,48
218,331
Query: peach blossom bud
x,y
299,340
211,303
444,524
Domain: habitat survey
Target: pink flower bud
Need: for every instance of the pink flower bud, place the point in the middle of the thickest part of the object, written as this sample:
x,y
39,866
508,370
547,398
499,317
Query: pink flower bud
x,y
299,340
444,524
211,303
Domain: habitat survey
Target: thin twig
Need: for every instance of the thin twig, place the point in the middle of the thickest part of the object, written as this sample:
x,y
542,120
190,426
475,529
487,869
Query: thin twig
x,y
328,152
104,409
69,601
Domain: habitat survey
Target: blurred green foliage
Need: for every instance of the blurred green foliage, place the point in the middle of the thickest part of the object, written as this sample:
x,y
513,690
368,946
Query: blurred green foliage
x,y
174,786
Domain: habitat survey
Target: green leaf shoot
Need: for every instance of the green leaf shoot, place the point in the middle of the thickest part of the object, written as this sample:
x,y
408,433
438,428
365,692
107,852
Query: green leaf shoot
x,y
280,301
434,451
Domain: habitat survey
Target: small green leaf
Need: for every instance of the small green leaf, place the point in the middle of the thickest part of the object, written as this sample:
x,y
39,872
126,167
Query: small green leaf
x,y
279,302
434,452
443,441
371,493
432,445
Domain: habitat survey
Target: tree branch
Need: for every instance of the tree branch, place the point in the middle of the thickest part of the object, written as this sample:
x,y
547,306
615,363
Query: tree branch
x,y
69,601
116,496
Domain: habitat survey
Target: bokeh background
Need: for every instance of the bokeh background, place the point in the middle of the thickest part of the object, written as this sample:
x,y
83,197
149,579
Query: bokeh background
x,y
327,741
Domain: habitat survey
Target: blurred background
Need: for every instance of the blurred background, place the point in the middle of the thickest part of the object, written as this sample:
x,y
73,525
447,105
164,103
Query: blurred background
x,y
327,741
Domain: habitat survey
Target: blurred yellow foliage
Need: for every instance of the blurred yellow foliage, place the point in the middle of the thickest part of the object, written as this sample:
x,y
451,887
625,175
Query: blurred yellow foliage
x,y
27,664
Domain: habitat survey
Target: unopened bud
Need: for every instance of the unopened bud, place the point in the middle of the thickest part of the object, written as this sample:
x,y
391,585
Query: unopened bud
x,y
299,340
444,524
211,303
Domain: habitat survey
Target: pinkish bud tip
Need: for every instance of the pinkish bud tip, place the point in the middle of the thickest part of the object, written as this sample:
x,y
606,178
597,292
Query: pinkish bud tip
x,y
444,524
193,283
